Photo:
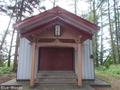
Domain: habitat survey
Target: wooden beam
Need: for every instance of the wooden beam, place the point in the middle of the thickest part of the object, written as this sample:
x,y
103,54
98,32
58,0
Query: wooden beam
x,y
33,64
62,37
74,45
79,64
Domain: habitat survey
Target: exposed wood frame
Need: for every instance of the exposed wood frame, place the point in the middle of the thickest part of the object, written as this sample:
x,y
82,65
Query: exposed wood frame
x,y
52,22
54,44
33,61
48,37
79,64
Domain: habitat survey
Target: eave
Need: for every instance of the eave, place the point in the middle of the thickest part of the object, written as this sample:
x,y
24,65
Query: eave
x,y
52,22
56,11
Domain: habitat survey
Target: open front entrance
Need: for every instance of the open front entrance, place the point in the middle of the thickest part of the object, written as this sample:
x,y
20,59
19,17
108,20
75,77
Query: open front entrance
x,y
56,59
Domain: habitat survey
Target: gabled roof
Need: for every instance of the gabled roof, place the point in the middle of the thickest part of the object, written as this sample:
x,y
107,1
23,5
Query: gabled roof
x,y
54,16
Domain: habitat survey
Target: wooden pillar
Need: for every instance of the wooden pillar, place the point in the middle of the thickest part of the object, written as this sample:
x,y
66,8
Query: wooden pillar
x,y
33,64
79,65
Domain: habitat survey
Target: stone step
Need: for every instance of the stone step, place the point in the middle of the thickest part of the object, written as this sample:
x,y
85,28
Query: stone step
x,y
56,75
56,84
56,78
56,81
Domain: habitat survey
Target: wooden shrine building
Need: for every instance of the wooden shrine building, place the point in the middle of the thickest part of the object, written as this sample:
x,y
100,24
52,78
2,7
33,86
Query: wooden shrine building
x,y
55,42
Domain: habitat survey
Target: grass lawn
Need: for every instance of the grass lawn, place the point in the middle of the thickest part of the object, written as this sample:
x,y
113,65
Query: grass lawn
x,y
110,75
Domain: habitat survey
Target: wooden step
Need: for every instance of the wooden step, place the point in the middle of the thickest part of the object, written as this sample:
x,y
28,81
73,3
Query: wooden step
x,y
55,81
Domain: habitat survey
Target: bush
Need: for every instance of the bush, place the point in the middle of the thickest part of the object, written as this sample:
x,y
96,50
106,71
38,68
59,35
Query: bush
x,y
101,68
115,69
5,70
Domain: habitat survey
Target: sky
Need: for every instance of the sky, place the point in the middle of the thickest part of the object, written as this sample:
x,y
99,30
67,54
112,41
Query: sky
x,y
67,5
62,3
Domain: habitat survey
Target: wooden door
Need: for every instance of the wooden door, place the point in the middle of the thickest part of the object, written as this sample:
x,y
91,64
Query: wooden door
x,y
56,59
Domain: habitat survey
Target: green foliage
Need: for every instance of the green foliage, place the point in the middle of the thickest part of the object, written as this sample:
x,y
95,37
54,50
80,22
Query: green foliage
x,y
113,70
100,68
108,61
5,70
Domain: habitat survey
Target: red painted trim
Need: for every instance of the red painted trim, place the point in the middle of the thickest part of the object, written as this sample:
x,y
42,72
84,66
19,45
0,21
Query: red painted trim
x,y
95,27
52,22
75,29
38,29
78,18
30,19
52,11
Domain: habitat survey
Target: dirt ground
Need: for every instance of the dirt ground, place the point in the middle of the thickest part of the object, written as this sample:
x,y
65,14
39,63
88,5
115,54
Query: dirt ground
x,y
6,78
106,88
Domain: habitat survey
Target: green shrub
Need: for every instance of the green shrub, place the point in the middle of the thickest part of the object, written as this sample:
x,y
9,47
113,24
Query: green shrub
x,y
5,70
101,68
115,69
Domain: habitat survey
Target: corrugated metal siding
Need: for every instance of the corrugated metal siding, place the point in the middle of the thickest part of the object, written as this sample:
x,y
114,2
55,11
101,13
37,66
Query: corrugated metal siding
x,y
87,62
24,60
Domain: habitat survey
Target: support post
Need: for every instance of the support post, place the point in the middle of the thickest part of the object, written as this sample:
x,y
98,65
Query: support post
x,y
79,64
33,65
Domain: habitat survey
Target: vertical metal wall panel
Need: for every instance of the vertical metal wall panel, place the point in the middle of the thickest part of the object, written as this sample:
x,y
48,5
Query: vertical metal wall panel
x,y
87,62
24,60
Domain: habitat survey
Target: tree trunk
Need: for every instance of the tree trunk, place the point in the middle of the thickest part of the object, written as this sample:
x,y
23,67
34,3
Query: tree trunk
x,y
16,53
9,53
111,34
75,6
118,9
95,43
53,2
116,31
17,40
6,32
101,51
